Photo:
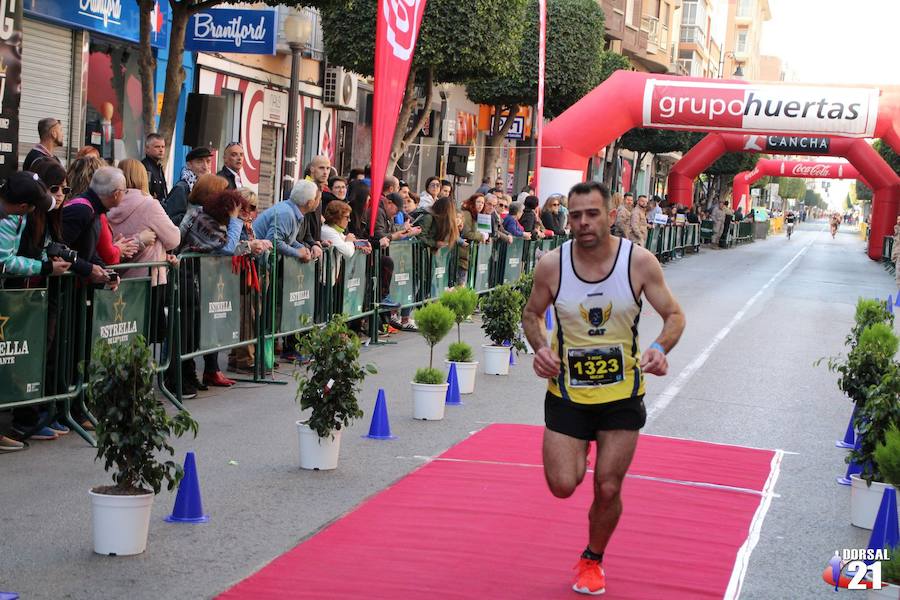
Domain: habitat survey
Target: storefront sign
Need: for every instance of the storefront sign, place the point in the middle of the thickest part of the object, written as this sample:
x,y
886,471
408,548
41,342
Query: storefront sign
x,y
275,106
10,86
516,131
117,18
23,339
243,31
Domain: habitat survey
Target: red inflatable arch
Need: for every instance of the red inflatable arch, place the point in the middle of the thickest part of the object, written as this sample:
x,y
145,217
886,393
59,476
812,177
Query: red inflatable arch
x,y
876,173
629,99
768,167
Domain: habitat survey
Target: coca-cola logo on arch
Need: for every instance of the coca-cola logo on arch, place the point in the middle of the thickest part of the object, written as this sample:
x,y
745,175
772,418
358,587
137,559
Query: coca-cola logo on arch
x,y
765,108
402,20
802,170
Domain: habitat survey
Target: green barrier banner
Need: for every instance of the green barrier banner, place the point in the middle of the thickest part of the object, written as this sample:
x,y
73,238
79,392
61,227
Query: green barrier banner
x,y
23,341
354,284
298,293
483,267
121,315
651,240
707,228
513,267
402,283
220,302
440,277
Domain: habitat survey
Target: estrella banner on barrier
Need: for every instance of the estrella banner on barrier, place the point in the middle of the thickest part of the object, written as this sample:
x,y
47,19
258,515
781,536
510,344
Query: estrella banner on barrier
x,y
123,314
395,42
220,302
440,273
482,268
298,293
23,341
513,267
402,281
354,284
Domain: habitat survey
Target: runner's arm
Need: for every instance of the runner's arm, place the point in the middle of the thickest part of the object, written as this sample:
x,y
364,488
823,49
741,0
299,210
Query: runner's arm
x,y
661,299
546,363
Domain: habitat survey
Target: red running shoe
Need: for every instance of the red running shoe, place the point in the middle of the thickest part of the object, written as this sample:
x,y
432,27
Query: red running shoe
x,y
591,579
217,379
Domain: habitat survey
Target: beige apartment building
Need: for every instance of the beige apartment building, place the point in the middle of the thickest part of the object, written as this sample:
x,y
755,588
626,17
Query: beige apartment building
x,y
698,53
742,37
646,32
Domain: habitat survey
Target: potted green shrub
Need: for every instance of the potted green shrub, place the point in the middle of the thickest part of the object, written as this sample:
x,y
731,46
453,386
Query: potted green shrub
x,y
890,578
871,378
429,386
132,432
328,389
501,313
462,301
523,285
868,312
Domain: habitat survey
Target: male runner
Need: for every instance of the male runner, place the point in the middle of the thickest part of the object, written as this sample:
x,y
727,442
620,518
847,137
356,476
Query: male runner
x,y
595,367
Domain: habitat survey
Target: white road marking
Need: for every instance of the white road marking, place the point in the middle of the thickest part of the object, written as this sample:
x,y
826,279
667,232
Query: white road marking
x,y
665,398
742,561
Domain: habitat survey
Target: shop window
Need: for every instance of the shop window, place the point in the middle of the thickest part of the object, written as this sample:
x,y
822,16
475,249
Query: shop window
x,y
311,118
232,126
113,121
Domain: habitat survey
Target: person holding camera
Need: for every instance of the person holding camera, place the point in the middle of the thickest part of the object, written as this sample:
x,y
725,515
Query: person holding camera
x,y
82,225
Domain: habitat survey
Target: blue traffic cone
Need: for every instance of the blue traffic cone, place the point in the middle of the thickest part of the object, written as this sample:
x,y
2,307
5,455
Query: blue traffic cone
x,y
9,596
885,533
852,469
849,436
188,504
548,319
891,303
897,302
380,428
512,358
453,398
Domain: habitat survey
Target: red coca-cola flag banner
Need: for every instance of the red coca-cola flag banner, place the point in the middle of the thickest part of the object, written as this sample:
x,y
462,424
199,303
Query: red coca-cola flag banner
x,y
542,55
395,42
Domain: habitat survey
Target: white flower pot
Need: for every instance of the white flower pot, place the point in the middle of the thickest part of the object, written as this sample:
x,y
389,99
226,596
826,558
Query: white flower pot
x,y
865,501
465,375
496,359
316,453
120,523
428,400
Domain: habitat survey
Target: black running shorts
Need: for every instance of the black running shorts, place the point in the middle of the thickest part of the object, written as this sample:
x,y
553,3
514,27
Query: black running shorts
x,y
583,421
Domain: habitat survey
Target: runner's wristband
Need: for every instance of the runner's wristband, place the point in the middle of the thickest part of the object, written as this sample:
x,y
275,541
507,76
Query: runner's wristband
x,y
657,346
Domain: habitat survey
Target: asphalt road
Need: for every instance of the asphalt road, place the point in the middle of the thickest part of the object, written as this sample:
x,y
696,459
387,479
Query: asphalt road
x,y
774,307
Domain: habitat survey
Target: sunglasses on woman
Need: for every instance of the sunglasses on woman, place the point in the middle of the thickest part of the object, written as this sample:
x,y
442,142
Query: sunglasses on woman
x,y
55,189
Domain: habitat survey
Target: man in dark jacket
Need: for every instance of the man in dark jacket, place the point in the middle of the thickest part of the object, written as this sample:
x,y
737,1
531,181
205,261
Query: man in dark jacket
x,y
81,219
234,162
154,152
197,163
50,132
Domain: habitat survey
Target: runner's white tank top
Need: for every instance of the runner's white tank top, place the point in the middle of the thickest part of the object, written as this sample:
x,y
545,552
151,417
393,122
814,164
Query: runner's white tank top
x,y
596,333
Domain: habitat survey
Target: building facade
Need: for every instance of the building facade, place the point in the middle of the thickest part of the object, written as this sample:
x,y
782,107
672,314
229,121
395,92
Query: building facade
x,y
742,37
698,53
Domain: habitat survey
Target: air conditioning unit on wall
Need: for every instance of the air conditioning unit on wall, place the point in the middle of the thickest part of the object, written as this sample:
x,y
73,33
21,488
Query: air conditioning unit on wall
x,y
340,89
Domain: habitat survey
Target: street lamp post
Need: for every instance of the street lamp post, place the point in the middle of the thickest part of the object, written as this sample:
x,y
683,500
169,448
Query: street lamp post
x,y
738,71
297,32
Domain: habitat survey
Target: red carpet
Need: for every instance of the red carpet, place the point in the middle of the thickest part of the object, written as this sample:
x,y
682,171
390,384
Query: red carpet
x,y
483,530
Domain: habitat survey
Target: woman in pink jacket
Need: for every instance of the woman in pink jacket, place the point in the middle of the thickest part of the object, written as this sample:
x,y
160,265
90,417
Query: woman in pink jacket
x,y
137,212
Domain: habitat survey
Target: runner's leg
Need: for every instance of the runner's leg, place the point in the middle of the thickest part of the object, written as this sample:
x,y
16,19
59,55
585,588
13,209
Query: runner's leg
x,y
615,449
564,462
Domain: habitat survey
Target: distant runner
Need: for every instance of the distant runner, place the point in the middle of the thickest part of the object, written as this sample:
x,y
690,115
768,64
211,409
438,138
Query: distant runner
x,y
835,223
594,366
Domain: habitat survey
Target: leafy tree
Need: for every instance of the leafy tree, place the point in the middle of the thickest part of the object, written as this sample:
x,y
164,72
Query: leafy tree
x,y
574,37
811,199
863,193
460,40
653,141
888,154
791,187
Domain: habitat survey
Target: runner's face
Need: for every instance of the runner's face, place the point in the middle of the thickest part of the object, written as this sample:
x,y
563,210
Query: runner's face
x,y
589,219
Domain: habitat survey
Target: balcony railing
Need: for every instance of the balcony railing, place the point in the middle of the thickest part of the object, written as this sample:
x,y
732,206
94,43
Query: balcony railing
x,y
693,35
650,25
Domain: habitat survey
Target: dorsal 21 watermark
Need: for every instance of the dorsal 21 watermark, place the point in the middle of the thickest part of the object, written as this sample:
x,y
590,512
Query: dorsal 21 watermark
x,y
855,564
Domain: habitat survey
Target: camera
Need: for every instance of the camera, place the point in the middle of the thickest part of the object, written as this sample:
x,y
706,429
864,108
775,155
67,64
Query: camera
x,y
112,275
57,250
